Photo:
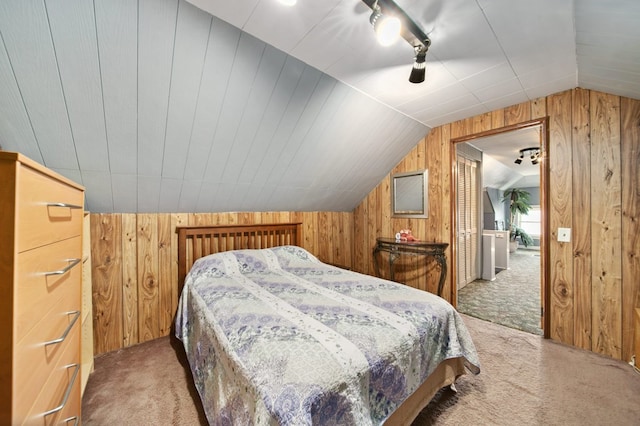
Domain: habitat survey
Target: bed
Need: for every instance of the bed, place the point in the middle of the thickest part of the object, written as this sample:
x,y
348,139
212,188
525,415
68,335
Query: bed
x,y
275,336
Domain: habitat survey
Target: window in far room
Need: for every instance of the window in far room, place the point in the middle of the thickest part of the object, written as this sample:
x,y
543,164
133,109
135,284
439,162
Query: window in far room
x,y
531,221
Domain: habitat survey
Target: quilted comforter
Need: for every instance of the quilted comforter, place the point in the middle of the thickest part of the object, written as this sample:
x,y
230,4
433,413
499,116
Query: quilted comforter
x,y
275,336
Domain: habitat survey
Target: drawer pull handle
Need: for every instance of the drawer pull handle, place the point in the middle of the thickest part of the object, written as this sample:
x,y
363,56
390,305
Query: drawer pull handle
x,y
66,269
68,329
71,206
66,393
74,418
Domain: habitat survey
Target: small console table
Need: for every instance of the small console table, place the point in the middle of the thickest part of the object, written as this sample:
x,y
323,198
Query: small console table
x,y
396,248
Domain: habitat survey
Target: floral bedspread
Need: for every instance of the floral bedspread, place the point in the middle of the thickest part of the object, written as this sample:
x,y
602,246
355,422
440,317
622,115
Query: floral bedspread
x,y
275,336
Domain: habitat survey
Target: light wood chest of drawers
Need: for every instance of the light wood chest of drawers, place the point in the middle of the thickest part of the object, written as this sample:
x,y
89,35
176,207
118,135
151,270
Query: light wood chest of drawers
x,y
41,217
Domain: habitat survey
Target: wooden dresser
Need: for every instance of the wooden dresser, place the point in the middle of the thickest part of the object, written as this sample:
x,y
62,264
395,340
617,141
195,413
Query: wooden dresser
x,y
41,215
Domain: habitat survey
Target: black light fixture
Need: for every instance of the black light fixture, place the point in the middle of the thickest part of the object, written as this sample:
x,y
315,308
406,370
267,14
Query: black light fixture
x,y
519,159
533,153
410,31
418,71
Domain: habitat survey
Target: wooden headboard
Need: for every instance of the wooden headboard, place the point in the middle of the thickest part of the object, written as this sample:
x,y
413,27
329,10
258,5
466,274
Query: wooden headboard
x,y
195,242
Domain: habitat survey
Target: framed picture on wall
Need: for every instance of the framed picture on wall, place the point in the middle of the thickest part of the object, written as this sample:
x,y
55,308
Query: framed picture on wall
x,y
409,194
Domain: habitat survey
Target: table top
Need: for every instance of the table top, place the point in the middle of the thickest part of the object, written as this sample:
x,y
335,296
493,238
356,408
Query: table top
x,y
393,241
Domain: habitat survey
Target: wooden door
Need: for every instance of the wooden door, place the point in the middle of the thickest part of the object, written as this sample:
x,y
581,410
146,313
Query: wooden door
x,y
467,221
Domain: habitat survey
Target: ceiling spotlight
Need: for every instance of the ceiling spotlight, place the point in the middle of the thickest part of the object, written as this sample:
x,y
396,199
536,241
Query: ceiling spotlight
x,y
418,71
534,154
288,2
387,28
404,26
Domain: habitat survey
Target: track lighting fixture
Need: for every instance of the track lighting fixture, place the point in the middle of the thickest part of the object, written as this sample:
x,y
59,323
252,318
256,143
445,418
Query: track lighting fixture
x,y
406,27
418,71
387,27
534,154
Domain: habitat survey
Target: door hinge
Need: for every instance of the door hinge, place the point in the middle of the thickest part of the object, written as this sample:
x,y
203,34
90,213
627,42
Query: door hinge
x,y
541,311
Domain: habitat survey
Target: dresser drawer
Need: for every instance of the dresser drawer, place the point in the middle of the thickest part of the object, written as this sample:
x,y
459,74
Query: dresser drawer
x,y
40,220
70,414
42,281
64,376
34,361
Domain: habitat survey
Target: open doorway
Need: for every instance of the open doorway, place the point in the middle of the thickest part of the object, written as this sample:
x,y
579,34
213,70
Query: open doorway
x,y
491,282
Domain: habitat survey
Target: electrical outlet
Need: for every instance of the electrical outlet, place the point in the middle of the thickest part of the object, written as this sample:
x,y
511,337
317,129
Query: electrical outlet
x,y
564,235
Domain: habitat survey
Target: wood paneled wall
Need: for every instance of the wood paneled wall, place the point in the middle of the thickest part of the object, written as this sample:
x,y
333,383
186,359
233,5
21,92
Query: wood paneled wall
x,y
594,188
135,271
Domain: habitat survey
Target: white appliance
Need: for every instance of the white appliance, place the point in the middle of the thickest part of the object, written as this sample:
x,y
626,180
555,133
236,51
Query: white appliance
x,y
488,256
502,247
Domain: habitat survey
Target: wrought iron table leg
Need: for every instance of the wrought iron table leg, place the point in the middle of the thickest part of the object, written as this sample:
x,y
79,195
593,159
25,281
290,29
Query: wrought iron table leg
x,y
442,261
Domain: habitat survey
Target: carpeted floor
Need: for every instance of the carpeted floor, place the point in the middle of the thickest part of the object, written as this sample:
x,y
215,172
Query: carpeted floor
x,y
512,299
525,380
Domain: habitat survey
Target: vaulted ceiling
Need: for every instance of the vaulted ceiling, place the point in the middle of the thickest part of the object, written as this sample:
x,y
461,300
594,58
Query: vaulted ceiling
x,y
211,105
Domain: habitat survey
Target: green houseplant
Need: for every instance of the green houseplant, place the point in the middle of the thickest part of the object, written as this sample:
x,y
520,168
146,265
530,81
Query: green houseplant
x,y
518,203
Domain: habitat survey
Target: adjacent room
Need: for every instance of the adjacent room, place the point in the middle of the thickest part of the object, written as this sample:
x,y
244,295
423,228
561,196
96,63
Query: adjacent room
x,y
353,212
500,275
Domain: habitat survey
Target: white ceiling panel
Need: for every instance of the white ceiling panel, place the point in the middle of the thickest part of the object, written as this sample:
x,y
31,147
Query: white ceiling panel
x,y
608,85
403,94
506,88
27,38
461,54
610,58
608,46
340,34
117,44
512,99
454,115
432,101
295,22
540,75
489,77
532,32
126,196
551,86
237,13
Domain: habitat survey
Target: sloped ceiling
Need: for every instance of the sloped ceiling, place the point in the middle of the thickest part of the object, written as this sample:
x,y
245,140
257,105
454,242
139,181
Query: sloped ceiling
x,y
499,169
484,54
159,106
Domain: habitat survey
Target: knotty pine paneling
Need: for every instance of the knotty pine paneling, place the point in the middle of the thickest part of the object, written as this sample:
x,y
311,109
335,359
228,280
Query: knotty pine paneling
x,y
135,269
106,272
129,280
560,212
630,149
606,224
593,188
148,277
581,202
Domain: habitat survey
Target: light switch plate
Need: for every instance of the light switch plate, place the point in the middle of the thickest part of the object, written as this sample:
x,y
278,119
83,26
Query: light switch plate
x,y
564,235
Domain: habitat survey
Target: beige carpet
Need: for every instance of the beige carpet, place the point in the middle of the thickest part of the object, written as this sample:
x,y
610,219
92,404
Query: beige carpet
x,y
525,380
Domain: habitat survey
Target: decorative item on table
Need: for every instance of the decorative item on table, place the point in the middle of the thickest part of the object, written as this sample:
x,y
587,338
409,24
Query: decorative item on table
x,y
405,235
